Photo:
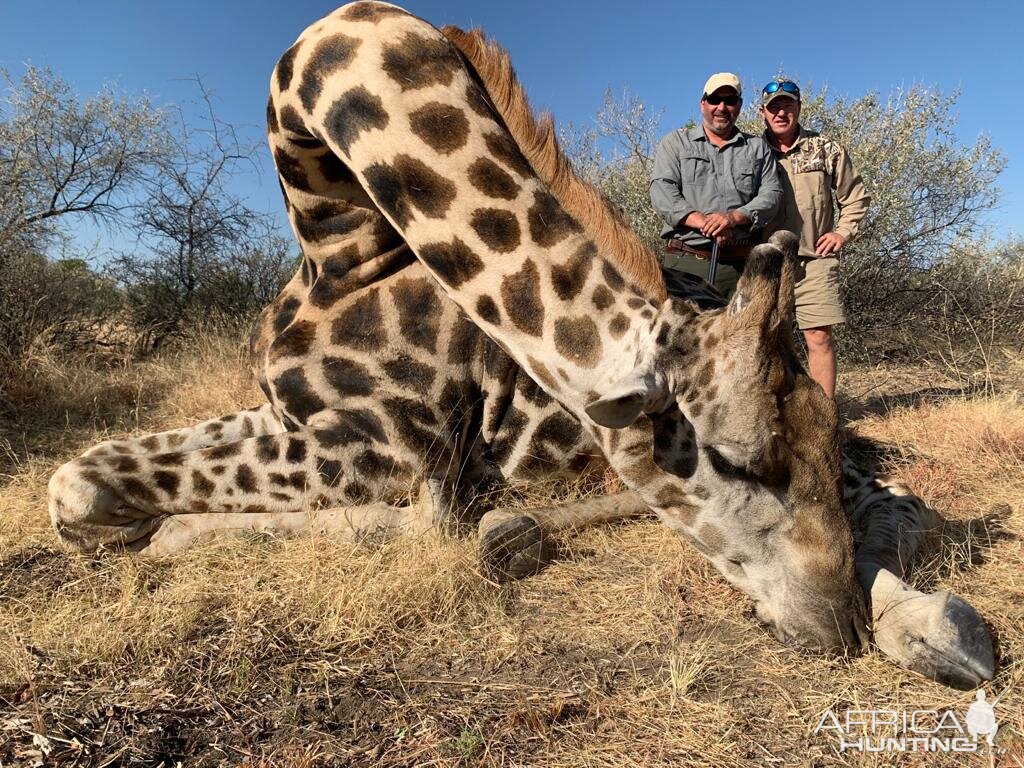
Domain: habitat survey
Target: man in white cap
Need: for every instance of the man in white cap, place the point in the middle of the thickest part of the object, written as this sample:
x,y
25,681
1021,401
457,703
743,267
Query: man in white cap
x,y
813,170
713,183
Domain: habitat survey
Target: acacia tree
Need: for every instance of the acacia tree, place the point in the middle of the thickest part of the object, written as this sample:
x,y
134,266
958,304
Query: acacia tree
x,y
61,157
205,251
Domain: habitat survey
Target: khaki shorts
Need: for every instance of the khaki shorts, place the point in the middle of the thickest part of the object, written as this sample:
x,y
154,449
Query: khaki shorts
x,y
818,302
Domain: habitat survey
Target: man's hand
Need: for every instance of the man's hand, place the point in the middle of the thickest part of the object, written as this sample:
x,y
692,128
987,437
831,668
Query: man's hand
x,y
829,243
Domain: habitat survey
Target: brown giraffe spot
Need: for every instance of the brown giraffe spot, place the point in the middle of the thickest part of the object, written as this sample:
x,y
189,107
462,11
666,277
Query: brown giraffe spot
x,y
579,340
618,326
541,372
707,371
295,341
201,485
520,293
173,459
295,129
355,112
674,500
568,279
489,177
358,425
220,469
409,181
443,127
454,263
701,492
502,147
509,428
410,417
296,453
711,392
334,170
333,283
549,223
246,479
711,537
286,67
635,302
376,466
419,315
409,373
347,377
416,62
612,276
286,313
331,55
463,342
268,449
125,464
559,430
478,101
330,219
291,170
602,297
498,228
357,493
532,391
361,324
176,439
647,313
272,125
138,489
329,471
696,410
640,472
372,12
296,395
151,443
488,310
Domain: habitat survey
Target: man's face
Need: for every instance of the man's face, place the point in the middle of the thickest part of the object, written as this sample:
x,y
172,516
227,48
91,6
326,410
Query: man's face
x,y
781,116
718,114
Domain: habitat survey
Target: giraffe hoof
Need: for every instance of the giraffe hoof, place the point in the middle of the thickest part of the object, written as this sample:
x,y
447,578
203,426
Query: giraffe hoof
x,y
939,636
512,545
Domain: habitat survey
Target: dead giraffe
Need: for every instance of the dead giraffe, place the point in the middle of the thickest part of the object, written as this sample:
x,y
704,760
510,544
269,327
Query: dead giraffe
x,y
468,311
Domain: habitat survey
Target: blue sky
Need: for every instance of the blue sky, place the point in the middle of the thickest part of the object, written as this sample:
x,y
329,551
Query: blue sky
x,y
566,53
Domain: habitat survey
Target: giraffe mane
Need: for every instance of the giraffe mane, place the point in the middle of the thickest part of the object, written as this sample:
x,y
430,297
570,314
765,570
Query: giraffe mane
x,y
537,140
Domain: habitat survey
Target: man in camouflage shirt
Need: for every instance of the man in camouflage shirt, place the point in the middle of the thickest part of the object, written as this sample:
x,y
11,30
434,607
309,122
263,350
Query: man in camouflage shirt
x,y
812,169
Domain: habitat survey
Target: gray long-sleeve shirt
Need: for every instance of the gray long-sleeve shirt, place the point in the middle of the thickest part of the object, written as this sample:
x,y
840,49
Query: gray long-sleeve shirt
x,y
692,174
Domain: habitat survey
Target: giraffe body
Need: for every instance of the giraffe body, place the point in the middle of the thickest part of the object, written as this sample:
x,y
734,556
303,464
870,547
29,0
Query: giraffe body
x,y
467,311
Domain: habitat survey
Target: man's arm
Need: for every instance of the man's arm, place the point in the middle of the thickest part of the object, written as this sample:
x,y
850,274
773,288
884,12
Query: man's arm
x,y
853,201
851,195
765,204
666,186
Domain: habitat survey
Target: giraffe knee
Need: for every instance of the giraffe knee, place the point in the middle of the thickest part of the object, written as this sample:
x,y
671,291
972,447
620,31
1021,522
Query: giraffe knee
x,y
86,514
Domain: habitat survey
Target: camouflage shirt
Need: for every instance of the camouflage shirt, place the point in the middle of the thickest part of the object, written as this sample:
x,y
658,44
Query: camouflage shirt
x,y
811,171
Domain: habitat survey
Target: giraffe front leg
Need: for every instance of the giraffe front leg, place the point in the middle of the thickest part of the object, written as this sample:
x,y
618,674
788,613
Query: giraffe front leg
x,y
515,543
938,635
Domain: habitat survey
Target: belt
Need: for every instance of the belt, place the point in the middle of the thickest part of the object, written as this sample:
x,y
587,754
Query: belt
x,y
732,253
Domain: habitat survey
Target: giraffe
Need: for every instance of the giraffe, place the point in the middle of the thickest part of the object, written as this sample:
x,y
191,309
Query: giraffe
x,y
468,312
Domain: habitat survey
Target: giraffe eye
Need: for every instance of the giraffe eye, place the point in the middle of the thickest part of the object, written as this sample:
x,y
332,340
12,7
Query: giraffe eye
x,y
724,466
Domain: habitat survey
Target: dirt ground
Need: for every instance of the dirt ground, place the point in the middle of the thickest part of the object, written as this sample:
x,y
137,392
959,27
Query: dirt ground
x,y
629,650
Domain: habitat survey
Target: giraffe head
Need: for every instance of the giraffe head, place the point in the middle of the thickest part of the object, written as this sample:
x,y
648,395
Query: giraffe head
x,y
746,459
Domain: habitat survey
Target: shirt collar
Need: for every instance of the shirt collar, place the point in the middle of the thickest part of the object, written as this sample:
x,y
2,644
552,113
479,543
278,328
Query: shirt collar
x,y
697,134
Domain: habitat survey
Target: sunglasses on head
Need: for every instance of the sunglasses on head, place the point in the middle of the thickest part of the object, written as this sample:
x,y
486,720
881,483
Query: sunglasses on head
x,y
730,101
786,86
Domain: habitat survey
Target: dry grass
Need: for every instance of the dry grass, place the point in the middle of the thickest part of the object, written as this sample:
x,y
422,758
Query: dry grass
x,y
628,651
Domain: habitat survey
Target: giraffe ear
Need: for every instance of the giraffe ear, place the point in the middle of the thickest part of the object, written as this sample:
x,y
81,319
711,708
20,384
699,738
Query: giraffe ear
x,y
629,397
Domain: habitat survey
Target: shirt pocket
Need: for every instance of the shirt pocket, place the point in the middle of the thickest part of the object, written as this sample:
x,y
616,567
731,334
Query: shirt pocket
x,y
745,183
694,170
